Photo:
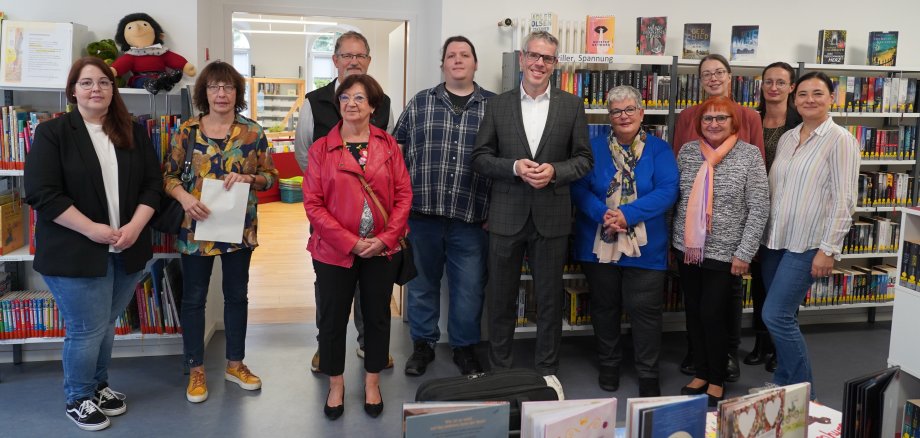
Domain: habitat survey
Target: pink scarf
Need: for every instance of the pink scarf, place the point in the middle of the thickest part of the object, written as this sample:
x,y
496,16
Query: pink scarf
x,y
699,207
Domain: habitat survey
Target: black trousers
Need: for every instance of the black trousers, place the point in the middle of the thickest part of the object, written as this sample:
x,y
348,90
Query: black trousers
x,y
759,295
335,286
639,292
546,256
708,295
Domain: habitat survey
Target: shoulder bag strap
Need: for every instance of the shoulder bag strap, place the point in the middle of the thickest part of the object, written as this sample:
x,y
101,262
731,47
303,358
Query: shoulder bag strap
x,y
186,175
367,188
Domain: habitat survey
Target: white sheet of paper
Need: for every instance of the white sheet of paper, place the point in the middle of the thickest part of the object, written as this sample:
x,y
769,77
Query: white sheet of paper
x,y
228,212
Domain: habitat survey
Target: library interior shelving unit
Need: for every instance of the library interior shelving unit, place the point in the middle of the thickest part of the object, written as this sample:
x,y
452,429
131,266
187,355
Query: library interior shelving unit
x,y
19,261
902,349
275,103
664,112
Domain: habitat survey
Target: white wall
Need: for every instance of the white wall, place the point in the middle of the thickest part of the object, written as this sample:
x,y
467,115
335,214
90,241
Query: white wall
x,y
788,28
277,56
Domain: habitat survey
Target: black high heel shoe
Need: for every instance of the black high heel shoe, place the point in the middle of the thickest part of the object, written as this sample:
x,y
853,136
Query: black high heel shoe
x,y
334,412
375,409
687,390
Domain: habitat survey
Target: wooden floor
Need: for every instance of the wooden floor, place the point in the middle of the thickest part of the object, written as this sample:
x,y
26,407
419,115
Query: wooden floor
x,y
281,274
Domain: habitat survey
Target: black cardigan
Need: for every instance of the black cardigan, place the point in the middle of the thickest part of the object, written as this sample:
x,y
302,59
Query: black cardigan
x,y
61,170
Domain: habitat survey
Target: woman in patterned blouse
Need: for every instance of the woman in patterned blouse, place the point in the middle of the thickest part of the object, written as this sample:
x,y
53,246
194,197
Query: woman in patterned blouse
x,y
231,148
353,240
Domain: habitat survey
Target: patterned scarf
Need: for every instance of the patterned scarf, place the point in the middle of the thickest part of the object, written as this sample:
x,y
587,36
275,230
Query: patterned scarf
x,y
699,207
622,191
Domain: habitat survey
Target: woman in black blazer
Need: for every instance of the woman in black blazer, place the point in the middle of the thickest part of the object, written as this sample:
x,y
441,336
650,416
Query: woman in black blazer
x,y
94,181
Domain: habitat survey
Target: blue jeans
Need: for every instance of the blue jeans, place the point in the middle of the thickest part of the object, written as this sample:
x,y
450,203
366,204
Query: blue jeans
x,y
89,307
463,247
787,277
196,277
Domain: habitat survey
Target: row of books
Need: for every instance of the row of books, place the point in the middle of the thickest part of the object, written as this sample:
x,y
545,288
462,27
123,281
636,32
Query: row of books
x,y
871,234
877,94
910,265
154,309
592,85
603,131
776,411
17,125
858,284
892,143
884,189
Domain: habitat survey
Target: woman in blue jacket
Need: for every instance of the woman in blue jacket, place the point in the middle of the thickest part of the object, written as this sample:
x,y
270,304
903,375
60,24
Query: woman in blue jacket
x,y
621,237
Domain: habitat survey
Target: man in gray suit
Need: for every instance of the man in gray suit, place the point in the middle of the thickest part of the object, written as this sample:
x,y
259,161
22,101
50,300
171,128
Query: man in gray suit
x,y
532,142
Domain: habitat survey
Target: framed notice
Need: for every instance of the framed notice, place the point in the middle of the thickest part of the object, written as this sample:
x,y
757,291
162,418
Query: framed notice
x,y
39,54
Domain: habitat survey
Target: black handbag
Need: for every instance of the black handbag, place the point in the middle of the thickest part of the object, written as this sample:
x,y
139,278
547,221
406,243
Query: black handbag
x,y
407,269
168,218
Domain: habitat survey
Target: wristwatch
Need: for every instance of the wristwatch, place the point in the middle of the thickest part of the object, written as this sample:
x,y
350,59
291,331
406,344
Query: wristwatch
x,y
832,255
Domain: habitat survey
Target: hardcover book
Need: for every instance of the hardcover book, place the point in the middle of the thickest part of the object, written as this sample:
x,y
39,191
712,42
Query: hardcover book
x,y
744,42
831,46
883,48
696,40
545,21
650,35
668,416
757,415
599,35
455,419
590,418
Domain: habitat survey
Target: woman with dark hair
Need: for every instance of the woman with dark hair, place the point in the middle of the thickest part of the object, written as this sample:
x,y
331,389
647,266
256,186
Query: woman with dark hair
x,y
778,114
232,148
357,195
812,200
93,178
719,222
716,79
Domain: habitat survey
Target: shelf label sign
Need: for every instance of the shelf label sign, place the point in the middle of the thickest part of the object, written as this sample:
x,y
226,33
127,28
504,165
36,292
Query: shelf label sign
x,y
587,58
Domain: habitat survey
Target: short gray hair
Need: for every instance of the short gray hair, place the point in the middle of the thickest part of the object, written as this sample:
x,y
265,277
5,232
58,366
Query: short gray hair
x,y
541,35
624,92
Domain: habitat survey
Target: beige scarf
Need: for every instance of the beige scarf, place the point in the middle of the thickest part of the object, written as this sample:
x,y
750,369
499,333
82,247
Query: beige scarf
x,y
622,191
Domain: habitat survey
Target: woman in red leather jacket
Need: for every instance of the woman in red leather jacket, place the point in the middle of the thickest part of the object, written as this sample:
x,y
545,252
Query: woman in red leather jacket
x,y
353,241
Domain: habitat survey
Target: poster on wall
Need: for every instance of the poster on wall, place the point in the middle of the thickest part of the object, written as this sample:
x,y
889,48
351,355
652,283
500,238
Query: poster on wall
x,y
38,54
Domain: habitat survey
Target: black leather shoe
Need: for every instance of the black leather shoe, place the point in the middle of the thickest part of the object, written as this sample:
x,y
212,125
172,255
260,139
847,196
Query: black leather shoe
x,y
374,410
465,359
757,356
770,364
609,378
732,369
649,387
422,355
694,391
686,365
333,412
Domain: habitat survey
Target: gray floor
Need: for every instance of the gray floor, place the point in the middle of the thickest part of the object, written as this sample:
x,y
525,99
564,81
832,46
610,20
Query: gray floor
x,y
290,404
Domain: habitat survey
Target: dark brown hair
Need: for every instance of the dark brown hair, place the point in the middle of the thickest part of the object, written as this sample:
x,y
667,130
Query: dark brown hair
x,y
371,87
117,123
458,39
718,103
714,57
219,71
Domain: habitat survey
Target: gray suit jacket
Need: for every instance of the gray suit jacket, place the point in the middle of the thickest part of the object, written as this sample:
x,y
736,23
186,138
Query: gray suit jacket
x,y
564,144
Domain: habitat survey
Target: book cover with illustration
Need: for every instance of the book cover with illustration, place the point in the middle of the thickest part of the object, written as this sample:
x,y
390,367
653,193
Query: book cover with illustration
x,y
453,419
758,415
599,35
589,418
545,21
883,48
696,40
744,42
651,35
832,46
677,416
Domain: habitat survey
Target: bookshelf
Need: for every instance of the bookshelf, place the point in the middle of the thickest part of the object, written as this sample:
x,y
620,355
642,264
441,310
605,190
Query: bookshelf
x,y
20,260
275,103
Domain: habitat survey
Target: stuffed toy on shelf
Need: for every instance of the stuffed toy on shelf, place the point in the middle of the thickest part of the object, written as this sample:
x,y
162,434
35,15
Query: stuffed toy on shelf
x,y
154,67
107,51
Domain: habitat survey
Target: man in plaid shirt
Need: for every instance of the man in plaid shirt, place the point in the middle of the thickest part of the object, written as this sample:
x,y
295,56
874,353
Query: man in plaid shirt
x,y
437,132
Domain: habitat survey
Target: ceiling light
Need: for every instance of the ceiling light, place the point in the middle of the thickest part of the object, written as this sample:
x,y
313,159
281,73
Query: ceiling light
x,y
279,21
287,32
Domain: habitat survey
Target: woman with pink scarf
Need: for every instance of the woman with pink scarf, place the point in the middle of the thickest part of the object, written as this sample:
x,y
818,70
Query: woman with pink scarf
x,y
721,214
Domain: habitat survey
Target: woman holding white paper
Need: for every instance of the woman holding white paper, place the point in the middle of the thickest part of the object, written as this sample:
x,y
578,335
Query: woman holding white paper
x,y
231,148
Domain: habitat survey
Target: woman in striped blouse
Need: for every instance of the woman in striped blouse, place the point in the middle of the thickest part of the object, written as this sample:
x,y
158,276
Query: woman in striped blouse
x,y
813,197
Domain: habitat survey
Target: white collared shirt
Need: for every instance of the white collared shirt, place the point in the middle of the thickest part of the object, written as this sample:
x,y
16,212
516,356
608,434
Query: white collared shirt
x,y
534,112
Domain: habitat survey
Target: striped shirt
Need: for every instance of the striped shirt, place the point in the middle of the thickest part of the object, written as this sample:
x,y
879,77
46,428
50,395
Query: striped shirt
x,y
813,189
438,142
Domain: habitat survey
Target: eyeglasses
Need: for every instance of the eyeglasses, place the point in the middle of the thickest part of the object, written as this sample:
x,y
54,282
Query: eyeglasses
x,y
357,99
720,119
214,88
350,56
534,56
718,74
769,83
630,110
88,84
